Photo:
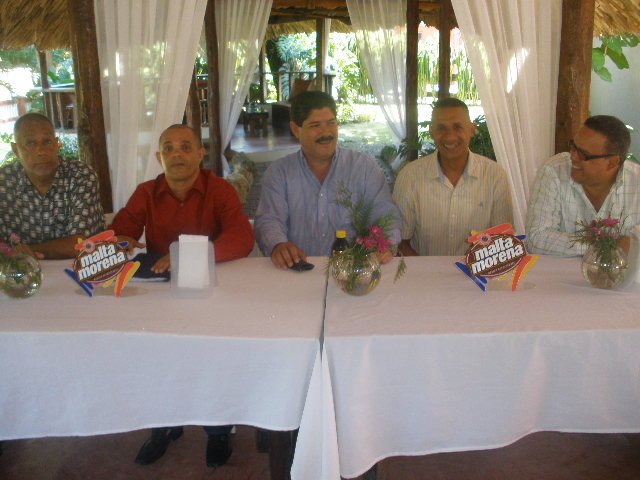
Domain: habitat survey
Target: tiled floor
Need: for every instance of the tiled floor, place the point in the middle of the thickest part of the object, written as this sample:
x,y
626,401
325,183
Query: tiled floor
x,y
540,456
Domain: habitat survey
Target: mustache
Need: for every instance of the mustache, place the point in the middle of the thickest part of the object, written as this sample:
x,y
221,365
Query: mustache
x,y
328,138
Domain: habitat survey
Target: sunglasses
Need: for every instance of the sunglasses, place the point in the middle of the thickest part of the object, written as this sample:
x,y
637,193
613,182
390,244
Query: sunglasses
x,y
584,155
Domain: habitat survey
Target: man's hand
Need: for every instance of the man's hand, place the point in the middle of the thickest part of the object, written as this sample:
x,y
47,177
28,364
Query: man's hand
x,y
385,257
625,243
162,265
406,249
24,248
133,243
285,254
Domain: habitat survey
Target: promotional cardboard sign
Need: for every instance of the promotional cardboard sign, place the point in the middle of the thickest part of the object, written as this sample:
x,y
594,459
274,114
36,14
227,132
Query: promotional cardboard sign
x,y
102,260
496,253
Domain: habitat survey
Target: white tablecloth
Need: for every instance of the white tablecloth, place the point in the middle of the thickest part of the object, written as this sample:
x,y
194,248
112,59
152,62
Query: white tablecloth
x,y
432,364
74,365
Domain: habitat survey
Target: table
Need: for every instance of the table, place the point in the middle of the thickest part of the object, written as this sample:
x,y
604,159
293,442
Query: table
x,y
254,119
74,365
432,364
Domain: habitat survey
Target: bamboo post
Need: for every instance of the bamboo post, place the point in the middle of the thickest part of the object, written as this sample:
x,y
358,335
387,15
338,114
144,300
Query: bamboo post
x,y
574,75
213,100
411,91
91,132
444,61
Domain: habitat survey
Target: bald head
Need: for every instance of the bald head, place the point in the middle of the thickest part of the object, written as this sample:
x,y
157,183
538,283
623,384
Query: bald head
x,y
29,119
179,126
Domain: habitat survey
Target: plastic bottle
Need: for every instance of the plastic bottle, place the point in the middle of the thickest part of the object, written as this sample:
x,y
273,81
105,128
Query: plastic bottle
x,y
340,244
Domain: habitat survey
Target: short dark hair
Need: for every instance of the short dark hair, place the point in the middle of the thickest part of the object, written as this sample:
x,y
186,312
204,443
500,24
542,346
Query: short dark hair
x,y
617,133
303,103
449,102
181,126
31,117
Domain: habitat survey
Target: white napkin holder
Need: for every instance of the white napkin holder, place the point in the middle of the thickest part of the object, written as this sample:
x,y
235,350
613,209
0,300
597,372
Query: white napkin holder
x,y
193,265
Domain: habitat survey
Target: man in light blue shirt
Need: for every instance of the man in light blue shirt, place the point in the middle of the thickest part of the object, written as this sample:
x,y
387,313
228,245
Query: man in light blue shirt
x,y
298,212
591,181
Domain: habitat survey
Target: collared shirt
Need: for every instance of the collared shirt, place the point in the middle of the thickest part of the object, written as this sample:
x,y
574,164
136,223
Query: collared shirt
x,y
438,217
296,207
557,203
211,207
71,206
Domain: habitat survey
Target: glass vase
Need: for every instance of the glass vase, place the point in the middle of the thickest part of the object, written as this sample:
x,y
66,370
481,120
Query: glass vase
x,y
20,275
357,275
604,269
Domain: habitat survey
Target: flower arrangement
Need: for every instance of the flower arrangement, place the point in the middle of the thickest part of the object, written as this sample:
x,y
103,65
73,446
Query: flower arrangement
x,y
603,234
6,250
371,243
20,274
604,263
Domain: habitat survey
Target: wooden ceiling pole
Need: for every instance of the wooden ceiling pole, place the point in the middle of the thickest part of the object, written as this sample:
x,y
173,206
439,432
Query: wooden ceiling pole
x,y
263,84
213,99
319,50
44,80
444,60
411,87
192,110
92,141
574,75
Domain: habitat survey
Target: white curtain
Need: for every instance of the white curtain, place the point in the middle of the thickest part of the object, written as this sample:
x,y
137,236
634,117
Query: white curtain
x,y
514,50
147,50
381,32
240,28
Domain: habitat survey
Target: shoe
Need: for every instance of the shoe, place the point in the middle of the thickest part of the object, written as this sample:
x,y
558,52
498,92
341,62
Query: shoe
x,y
218,450
157,444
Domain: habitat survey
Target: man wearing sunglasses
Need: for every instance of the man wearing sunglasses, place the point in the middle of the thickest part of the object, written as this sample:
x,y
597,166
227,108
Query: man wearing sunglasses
x,y
591,180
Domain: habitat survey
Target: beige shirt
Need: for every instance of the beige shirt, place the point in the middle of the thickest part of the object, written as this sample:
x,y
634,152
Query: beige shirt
x,y
438,217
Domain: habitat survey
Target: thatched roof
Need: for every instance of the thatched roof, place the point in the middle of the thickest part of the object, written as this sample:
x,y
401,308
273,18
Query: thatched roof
x,y
45,23
616,16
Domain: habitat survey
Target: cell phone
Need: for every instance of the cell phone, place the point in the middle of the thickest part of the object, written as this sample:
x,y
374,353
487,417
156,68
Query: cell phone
x,y
302,266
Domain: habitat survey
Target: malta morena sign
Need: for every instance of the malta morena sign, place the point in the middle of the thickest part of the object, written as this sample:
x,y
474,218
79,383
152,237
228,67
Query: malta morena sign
x,y
102,260
496,253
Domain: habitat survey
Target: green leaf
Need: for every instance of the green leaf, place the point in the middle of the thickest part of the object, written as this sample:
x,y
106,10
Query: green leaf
x,y
632,40
597,58
604,74
619,59
614,43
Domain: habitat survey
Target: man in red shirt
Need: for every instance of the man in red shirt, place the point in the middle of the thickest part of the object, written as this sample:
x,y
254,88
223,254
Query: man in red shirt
x,y
185,199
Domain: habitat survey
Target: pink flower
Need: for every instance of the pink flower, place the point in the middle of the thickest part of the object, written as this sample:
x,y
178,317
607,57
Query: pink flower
x,y
5,249
14,238
376,231
369,243
383,245
610,222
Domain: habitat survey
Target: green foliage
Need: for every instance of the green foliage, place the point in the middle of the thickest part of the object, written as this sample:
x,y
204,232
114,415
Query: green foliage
x,y
23,57
611,46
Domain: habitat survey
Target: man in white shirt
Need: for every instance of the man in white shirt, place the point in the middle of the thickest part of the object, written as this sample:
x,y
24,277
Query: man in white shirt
x,y
590,181
446,195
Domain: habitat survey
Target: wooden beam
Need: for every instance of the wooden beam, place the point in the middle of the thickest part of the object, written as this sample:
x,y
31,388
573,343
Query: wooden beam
x,y
213,100
444,57
574,76
92,141
44,81
319,50
411,86
263,84
192,110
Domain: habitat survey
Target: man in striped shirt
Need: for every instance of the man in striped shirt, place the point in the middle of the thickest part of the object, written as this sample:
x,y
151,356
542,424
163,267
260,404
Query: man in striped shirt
x,y
591,180
446,195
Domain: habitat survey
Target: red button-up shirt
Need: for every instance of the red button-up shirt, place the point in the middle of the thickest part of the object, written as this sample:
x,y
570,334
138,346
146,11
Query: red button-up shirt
x,y
211,207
